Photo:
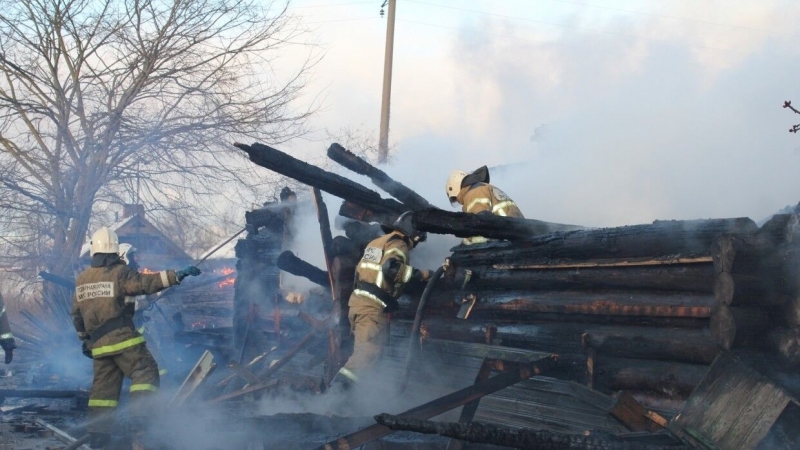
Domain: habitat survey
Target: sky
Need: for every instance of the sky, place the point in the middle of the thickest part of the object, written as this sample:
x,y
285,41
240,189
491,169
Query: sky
x,y
600,112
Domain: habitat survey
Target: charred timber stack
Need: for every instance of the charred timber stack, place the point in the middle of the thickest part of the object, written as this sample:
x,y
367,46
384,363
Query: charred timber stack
x,y
757,280
641,308
258,277
633,306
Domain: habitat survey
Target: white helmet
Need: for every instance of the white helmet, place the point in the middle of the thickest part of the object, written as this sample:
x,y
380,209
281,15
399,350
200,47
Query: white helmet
x,y
125,252
453,186
104,241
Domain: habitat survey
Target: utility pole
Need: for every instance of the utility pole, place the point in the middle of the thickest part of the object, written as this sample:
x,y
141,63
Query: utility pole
x,y
383,143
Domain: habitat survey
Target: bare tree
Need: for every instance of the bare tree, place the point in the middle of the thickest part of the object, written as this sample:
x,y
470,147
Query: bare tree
x,y
109,101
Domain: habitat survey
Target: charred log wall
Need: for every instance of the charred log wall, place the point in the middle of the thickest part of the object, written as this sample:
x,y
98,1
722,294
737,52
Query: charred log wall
x,y
636,308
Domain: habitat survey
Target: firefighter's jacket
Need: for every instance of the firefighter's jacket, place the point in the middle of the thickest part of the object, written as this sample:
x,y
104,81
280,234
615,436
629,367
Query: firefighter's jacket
x,y
5,328
481,197
375,285
100,312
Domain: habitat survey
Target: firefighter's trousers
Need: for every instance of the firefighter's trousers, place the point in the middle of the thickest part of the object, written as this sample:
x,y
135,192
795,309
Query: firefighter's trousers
x,y
135,363
371,331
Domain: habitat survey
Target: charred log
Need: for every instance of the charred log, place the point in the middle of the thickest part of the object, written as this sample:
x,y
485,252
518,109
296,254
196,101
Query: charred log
x,y
493,227
361,233
690,346
270,218
277,161
407,196
675,238
511,437
664,344
288,262
781,229
355,211
666,378
517,304
698,278
739,326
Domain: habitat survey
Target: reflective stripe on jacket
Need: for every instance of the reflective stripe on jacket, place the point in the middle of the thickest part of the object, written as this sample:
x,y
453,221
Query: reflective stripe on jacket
x,y
482,197
100,298
370,269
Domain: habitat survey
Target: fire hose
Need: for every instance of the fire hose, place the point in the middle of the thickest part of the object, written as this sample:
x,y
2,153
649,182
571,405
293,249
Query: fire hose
x,y
412,343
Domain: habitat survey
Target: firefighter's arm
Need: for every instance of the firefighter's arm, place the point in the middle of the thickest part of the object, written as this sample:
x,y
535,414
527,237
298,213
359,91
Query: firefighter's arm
x,y
134,283
395,268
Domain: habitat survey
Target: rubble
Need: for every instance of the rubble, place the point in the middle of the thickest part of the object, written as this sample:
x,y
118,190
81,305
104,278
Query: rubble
x,y
548,335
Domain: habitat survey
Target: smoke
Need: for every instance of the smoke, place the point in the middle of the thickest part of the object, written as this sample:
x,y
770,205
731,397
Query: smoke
x,y
605,118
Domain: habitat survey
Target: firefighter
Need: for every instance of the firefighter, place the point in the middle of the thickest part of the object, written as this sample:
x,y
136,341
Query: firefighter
x,y
6,338
380,277
476,196
105,327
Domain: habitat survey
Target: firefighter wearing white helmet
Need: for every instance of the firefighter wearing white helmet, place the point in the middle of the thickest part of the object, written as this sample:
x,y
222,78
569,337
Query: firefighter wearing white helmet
x,y
475,195
381,275
104,324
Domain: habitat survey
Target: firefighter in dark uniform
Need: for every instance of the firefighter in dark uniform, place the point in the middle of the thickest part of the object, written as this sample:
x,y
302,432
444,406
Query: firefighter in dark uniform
x,y
6,338
381,275
105,326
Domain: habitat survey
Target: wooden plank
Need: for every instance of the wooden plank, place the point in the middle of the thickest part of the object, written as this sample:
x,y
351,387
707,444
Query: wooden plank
x,y
204,366
712,389
764,422
60,434
733,408
243,373
245,391
735,396
745,430
476,350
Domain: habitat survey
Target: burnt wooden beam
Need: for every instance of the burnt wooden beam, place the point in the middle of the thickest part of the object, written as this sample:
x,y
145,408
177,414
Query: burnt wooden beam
x,y
464,225
739,326
690,346
524,304
512,437
443,404
41,393
288,262
697,278
378,177
339,186
334,336
664,377
355,211
662,240
303,343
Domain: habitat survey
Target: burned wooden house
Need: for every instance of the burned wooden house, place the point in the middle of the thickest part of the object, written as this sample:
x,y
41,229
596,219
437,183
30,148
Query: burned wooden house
x,y
618,333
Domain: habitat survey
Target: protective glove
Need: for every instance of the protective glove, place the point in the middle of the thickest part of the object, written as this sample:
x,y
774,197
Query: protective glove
x,y
188,271
87,352
421,275
8,346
